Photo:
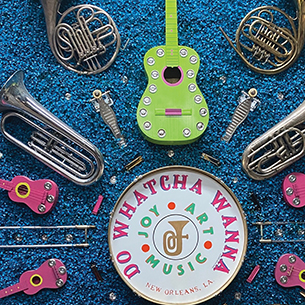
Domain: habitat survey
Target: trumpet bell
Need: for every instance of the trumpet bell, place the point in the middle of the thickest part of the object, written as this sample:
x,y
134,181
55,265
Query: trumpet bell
x,y
49,140
277,148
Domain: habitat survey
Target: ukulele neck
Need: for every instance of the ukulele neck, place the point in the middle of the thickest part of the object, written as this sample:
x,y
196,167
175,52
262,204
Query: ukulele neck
x,y
6,185
12,290
171,33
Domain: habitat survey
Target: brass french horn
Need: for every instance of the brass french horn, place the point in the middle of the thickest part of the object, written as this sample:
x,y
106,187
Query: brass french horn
x,y
84,40
266,47
51,141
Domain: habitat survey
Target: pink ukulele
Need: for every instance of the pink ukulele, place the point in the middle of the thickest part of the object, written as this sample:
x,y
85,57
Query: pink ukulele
x,y
40,195
293,188
51,274
290,271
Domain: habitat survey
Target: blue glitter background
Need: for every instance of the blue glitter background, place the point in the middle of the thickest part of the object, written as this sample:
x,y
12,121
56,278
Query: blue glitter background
x,y
24,46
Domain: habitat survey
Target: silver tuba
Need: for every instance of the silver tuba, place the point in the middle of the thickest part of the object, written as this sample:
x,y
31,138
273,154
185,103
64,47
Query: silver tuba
x,y
85,39
277,148
51,141
263,45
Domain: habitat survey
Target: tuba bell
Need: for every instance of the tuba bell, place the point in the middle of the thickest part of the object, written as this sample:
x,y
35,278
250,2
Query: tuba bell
x,y
84,40
277,148
266,47
52,142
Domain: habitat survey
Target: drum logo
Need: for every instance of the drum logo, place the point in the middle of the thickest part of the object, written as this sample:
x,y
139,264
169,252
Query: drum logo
x,y
172,241
177,228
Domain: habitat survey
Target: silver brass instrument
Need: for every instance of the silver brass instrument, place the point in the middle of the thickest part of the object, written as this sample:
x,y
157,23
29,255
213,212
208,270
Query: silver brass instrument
x,y
85,39
277,148
266,47
52,142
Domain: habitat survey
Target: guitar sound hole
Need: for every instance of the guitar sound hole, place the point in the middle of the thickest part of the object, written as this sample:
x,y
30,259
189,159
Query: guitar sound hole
x,y
172,75
303,275
22,190
36,280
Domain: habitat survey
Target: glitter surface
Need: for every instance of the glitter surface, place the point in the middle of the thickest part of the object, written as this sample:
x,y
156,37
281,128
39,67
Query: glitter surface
x,y
222,76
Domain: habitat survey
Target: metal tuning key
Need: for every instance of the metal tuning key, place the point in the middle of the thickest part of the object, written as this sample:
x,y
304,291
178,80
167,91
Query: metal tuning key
x,y
102,103
247,103
51,274
78,227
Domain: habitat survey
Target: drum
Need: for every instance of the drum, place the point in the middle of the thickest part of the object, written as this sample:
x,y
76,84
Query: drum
x,y
177,235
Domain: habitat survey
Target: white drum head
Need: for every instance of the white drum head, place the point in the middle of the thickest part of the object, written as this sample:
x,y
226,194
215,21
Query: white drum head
x,y
177,235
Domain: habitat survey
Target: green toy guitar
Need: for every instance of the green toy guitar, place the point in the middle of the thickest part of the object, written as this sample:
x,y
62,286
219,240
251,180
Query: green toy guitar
x,y
172,109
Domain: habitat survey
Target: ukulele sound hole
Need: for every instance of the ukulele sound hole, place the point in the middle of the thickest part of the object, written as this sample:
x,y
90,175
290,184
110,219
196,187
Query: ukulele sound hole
x,y
172,75
303,275
36,280
22,190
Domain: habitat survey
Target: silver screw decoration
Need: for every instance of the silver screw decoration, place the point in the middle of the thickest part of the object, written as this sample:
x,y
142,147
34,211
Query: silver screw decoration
x,y
69,237
160,52
171,153
52,262
143,112
152,88
112,296
146,100
150,61
186,132
59,283
48,186
113,180
62,270
41,208
193,59
161,133
198,99
147,125
183,52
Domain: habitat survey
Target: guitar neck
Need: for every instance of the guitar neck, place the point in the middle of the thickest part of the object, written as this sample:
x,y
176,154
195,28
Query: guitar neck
x,y
12,289
171,32
6,185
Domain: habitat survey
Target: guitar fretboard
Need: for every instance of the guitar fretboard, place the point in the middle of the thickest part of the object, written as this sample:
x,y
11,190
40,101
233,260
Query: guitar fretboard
x,y
171,32
5,185
12,290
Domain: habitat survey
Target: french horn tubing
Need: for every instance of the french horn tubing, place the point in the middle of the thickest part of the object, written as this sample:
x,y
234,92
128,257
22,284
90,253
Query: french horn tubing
x,y
277,148
85,39
52,142
266,47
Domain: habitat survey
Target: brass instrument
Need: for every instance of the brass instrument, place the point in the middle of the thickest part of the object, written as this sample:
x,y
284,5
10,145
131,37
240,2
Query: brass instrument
x,y
85,39
277,148
52,142
172,241
266,47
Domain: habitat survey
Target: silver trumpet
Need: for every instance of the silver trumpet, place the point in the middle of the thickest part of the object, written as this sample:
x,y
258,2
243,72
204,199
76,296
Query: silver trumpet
x,y
266,47
85,39
277,148
52,142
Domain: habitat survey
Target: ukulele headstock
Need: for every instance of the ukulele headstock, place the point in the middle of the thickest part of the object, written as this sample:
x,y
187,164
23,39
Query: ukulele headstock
x,y
293,188
290,271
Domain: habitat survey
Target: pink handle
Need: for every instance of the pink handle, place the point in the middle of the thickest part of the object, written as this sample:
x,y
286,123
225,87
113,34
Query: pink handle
x,y
293,188
290,271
